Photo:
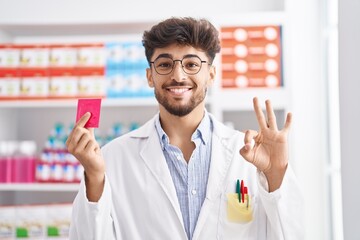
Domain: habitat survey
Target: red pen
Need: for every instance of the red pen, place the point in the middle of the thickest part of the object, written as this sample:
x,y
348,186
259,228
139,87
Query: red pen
x,y
247,197
242,191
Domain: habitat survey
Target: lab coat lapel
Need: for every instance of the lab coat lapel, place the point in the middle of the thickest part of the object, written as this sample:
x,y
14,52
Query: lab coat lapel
x,y
222,153
153,157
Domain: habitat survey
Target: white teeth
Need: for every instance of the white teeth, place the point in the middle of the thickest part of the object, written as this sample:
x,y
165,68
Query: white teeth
x,y
178,90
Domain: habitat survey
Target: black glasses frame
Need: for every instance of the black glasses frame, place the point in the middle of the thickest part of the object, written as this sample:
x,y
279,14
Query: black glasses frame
x,y
182,66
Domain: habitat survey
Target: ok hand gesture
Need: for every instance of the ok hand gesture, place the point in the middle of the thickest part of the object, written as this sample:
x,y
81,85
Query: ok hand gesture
x,y
269,151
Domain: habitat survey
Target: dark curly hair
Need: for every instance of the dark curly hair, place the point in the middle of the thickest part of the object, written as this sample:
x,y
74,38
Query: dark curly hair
x,y
200,34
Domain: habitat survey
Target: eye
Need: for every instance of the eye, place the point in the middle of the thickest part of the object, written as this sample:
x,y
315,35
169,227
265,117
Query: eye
x,y
190,64
164,63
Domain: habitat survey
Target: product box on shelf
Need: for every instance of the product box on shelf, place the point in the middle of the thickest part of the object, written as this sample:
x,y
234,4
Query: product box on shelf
x,y
90,55
125,55
9,56
127,83
7,222
63,83
9,83
91,82
125,70
251,56
34,83
39,222
63,56
34,56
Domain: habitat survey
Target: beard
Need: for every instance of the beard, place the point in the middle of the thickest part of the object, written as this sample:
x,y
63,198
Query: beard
x,y
181,110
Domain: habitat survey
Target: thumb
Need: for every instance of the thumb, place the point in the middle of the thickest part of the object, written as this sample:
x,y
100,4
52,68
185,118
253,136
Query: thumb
x,y
83,120
246,152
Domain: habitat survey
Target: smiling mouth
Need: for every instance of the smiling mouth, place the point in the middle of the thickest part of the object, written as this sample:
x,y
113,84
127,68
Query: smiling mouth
x,y
178,91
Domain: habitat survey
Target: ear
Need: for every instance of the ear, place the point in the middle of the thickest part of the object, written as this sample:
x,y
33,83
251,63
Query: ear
x,y
212,74
149,77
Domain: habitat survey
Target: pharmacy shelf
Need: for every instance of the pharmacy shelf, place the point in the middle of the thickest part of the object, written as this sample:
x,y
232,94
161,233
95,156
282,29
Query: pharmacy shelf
x,y
46,103
52,26
244,98
46,187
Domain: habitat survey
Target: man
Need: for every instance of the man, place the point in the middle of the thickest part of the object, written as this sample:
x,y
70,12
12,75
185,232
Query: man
x,y
172,178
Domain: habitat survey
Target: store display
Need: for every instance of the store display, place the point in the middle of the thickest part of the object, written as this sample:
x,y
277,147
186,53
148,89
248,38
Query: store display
x,y
56,165
112,70
125,70
50,221
113,67
251,56
17,161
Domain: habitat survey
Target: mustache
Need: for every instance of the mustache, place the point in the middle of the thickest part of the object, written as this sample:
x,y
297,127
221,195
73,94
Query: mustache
x,y
174,83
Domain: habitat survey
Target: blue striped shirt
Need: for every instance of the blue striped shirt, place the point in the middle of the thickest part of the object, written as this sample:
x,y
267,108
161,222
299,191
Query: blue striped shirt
x,y
190,179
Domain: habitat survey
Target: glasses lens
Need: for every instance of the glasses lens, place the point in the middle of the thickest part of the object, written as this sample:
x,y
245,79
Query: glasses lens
x,y
163,65
191,65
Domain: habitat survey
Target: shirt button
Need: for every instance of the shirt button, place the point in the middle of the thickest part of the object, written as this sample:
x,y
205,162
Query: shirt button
x,y
193,192
178,157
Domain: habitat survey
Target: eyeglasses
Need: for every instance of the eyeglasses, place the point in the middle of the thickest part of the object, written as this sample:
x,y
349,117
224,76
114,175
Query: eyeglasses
x,y
190,64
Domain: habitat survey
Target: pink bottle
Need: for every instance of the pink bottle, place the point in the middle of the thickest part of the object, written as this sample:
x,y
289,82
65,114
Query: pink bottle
x,y
7,149
3,162
23,162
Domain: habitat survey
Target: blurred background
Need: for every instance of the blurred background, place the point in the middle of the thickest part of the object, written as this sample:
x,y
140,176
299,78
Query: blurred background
x,y
302,55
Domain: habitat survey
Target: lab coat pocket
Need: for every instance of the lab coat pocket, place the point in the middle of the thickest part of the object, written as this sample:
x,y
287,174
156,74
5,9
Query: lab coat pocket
x,y
236,220
238,211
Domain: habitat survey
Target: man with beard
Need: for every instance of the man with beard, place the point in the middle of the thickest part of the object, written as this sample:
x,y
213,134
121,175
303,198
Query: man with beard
x,y
173,178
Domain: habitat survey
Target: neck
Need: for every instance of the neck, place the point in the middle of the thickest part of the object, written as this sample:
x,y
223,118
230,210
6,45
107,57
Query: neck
x,y
180,129
181,126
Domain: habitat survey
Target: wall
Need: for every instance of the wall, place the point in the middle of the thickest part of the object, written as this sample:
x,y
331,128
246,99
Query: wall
x,y
349,52
308,107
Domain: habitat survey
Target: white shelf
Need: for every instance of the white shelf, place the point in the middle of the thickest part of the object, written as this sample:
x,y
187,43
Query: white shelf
x,y
242,99
67,11
46,103
46,187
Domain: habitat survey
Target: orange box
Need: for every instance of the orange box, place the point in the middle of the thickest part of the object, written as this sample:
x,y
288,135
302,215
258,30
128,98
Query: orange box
x,y
251,56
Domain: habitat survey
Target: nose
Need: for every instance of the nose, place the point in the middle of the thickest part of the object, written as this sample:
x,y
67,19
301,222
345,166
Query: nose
x,y
178,73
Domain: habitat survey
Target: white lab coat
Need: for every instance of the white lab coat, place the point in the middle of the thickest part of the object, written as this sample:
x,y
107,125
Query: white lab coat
x,y
139,199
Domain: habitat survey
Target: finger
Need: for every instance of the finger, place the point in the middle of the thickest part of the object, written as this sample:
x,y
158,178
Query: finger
x,y
270,115
288,122
259,114
83,120
249,139
91,146
83,142
80,124
91,130
74,138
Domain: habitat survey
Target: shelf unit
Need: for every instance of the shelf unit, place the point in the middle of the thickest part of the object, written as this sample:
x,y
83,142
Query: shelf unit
x,y
15,115
43,187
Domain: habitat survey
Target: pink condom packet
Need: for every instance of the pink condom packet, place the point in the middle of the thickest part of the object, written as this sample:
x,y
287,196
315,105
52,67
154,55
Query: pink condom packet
x,y
89,105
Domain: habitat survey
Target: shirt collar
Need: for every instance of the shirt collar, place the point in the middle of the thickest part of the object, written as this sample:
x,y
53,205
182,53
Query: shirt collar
x,y
203,131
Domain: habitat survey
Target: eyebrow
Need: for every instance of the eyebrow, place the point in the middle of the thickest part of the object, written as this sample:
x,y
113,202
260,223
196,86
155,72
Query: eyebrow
x,y
171,56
